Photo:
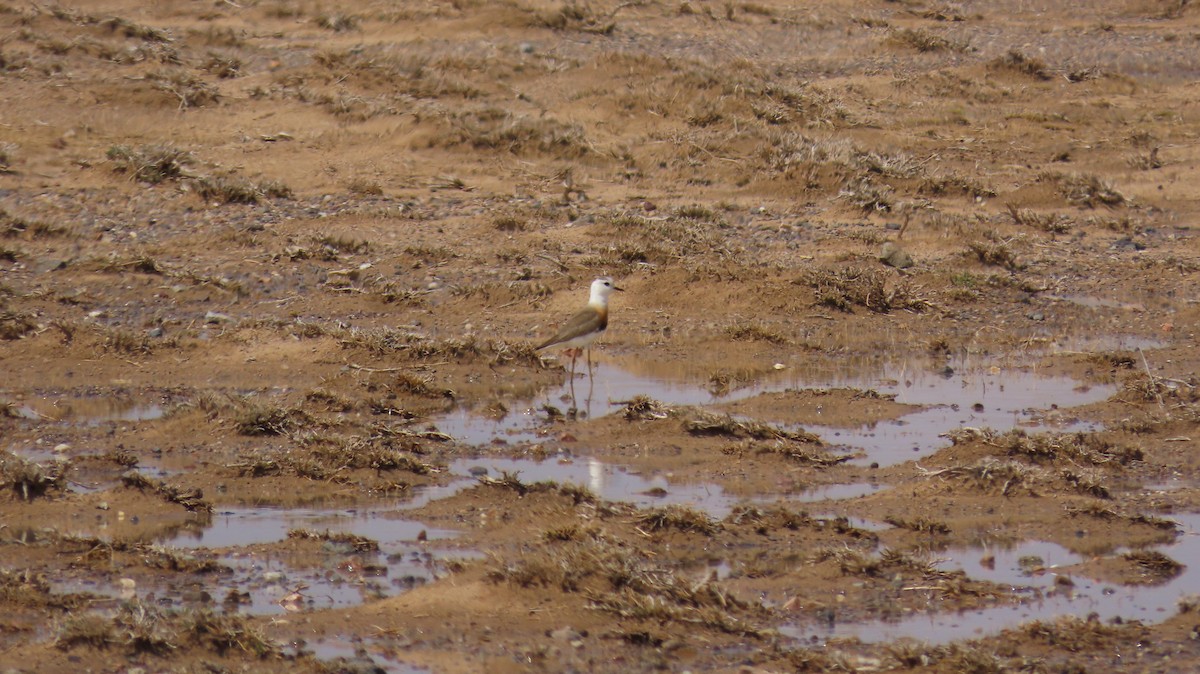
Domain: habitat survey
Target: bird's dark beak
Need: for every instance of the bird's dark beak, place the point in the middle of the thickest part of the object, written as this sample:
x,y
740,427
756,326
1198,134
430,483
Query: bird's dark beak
x,y
616,288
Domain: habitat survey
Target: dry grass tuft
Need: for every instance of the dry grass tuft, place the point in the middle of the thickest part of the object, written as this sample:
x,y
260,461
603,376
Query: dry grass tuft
x,y
918,524
679,518
12,226
192,499
152,164
1016,61
621,580
15,325
868,287
1052,223
992,475
577,16
223,633
1154,567
868,195
1072,633
1073,448
645,408
263,419
344,539
1152,388
190,90
995,253
754,332
925,41
155,164
494,129
28,479
708,423
1089,190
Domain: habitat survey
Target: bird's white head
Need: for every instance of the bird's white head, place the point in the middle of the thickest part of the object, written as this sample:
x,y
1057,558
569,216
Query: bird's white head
x,y
601,289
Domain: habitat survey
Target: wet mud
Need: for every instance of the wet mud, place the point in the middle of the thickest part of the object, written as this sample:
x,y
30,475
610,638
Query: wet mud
x,y
902,377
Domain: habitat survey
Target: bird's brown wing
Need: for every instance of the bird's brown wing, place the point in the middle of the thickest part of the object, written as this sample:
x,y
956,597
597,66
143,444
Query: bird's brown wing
x,y
588,320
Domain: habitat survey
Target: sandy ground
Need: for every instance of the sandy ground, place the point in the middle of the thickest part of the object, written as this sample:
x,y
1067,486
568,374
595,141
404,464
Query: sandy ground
x,y
902,376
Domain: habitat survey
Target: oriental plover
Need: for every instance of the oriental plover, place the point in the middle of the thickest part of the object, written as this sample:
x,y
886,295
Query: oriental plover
x,y
584,327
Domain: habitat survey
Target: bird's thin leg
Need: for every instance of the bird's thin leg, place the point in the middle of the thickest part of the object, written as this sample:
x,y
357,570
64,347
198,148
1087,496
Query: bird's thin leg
x,y
574,405
591,384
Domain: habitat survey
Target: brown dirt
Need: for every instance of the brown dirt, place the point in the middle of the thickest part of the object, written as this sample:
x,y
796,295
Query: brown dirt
x,y
253,254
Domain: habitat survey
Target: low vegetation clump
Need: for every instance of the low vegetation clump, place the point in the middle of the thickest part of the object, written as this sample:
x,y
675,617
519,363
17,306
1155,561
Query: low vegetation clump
x,y
15,324
617,579
873,289
27,479
678,518
156,164
925,41
1074,448
1089,190
753,332
152,164
192,499
707,423
1016,61
139,628
346,539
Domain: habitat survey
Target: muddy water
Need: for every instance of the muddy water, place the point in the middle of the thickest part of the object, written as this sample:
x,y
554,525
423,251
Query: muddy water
x,y
609,482
362,656
90,410
343,577
1046,598
992,398
952,394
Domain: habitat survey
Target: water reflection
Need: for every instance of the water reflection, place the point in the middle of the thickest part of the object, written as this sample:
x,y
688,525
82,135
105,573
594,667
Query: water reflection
x,y
88,411
951,395
1047,598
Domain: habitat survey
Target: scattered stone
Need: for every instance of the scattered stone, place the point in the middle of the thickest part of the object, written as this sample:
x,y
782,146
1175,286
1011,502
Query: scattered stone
x,y
564,634
477,471
155,332
213,317
895,256
1128,244
61,447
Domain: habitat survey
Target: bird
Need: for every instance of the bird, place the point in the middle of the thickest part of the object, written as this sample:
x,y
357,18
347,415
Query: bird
x,y
585,326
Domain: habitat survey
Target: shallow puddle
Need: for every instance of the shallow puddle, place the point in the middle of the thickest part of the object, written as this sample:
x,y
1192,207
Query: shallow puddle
x,y
232,527
269,583
952,395
365,656
835,492
994,398
89,411
609,482
1048,600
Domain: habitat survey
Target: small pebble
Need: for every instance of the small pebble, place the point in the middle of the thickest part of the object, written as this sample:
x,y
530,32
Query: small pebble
x,y
217,317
